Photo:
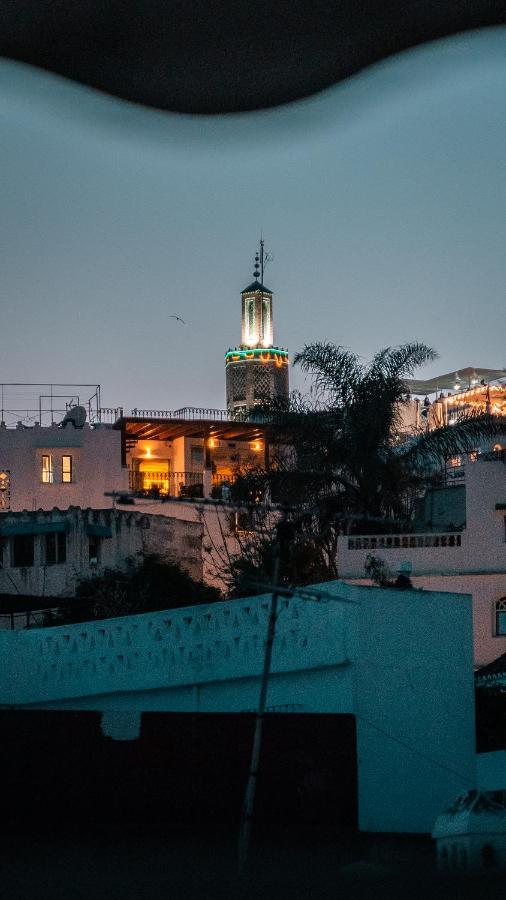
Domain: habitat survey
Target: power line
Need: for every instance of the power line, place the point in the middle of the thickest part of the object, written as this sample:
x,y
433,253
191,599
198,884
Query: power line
x,y
419,753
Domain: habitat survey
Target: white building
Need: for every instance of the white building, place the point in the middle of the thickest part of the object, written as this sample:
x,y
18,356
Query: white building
x,y
471,561
47,552
46,466
337,650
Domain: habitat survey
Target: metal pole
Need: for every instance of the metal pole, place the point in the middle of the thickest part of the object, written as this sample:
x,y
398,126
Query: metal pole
x,y
249,796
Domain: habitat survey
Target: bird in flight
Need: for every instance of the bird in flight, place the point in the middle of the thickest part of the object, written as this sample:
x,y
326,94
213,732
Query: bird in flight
x,y
178,318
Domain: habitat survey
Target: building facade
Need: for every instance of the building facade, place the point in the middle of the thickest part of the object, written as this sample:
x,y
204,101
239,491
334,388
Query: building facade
x,y
47,552
59,465
337,650
467,554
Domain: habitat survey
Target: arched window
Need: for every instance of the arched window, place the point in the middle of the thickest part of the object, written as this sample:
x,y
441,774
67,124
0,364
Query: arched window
x,y
500,617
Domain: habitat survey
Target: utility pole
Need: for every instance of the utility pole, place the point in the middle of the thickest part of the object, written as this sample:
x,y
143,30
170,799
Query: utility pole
x,y
283,533
249,796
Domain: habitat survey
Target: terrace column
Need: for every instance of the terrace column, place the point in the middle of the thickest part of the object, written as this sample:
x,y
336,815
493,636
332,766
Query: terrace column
x,y
207,474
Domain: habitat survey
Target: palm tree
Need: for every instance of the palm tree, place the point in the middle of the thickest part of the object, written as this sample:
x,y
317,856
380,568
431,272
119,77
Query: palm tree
x,y
346,468
354,418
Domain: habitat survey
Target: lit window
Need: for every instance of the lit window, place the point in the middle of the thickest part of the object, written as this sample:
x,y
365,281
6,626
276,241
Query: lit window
x,y
500,617
47,469
66,469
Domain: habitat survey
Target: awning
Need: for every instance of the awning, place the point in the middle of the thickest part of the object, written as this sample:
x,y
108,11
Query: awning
x,y
20,528
99,530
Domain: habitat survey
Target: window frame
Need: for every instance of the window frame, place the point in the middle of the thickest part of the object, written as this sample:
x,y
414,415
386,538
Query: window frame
x,y
57,555
500,617
17,541
197,456
94,541
49,471
70,471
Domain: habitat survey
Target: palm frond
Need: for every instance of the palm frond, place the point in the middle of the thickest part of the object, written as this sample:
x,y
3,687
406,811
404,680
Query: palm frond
x,y
431,448
401,362
336,370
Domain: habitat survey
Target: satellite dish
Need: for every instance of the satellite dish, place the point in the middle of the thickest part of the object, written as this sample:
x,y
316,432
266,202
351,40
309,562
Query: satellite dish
x,y
76,415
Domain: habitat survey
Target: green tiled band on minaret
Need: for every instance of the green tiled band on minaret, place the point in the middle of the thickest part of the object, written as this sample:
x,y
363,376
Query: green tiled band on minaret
x,y
256,370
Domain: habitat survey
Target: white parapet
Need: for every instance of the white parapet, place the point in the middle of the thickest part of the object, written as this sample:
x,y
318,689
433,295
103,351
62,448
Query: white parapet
x,y
176,647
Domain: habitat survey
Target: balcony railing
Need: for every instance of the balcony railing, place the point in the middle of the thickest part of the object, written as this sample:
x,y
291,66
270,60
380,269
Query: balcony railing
x,y
404,541
223,479
163,483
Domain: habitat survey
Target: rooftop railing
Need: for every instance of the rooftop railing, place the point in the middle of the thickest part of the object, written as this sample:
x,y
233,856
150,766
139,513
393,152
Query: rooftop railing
x,y
31,404
404,541
187,413
108,415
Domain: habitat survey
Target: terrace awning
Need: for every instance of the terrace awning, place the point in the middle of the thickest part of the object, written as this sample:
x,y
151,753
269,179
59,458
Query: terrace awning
x,y
20,528
158,429
94,530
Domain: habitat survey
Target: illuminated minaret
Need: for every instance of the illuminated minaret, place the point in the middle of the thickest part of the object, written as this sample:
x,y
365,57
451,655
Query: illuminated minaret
x,y
256,370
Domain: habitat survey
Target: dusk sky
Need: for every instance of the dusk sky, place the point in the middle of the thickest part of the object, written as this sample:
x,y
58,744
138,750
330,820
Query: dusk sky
x,y
382,201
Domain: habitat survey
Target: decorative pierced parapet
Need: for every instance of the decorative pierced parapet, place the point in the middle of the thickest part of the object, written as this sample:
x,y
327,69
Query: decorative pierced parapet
x,y
183,646
404,541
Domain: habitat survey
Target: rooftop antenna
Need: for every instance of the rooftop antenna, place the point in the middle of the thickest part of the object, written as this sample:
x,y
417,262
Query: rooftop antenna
x,y
265,258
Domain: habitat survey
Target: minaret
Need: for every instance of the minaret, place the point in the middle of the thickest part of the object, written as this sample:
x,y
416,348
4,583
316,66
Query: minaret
x,y
257,371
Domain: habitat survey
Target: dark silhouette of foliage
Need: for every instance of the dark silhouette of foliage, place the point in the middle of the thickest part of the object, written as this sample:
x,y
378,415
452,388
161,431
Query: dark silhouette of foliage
x,y
343,464
146,586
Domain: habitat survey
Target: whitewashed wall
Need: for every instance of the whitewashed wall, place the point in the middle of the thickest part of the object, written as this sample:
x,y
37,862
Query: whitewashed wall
x,y
401,662
96,459
477,566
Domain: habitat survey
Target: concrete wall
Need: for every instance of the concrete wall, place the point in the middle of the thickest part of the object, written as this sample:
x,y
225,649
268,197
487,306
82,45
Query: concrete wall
x,y
96,465
132,534
402,663
414,702
491,771
218,538
485,589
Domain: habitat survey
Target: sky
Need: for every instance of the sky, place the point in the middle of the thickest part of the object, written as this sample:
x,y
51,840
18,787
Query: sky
x,y
382,201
